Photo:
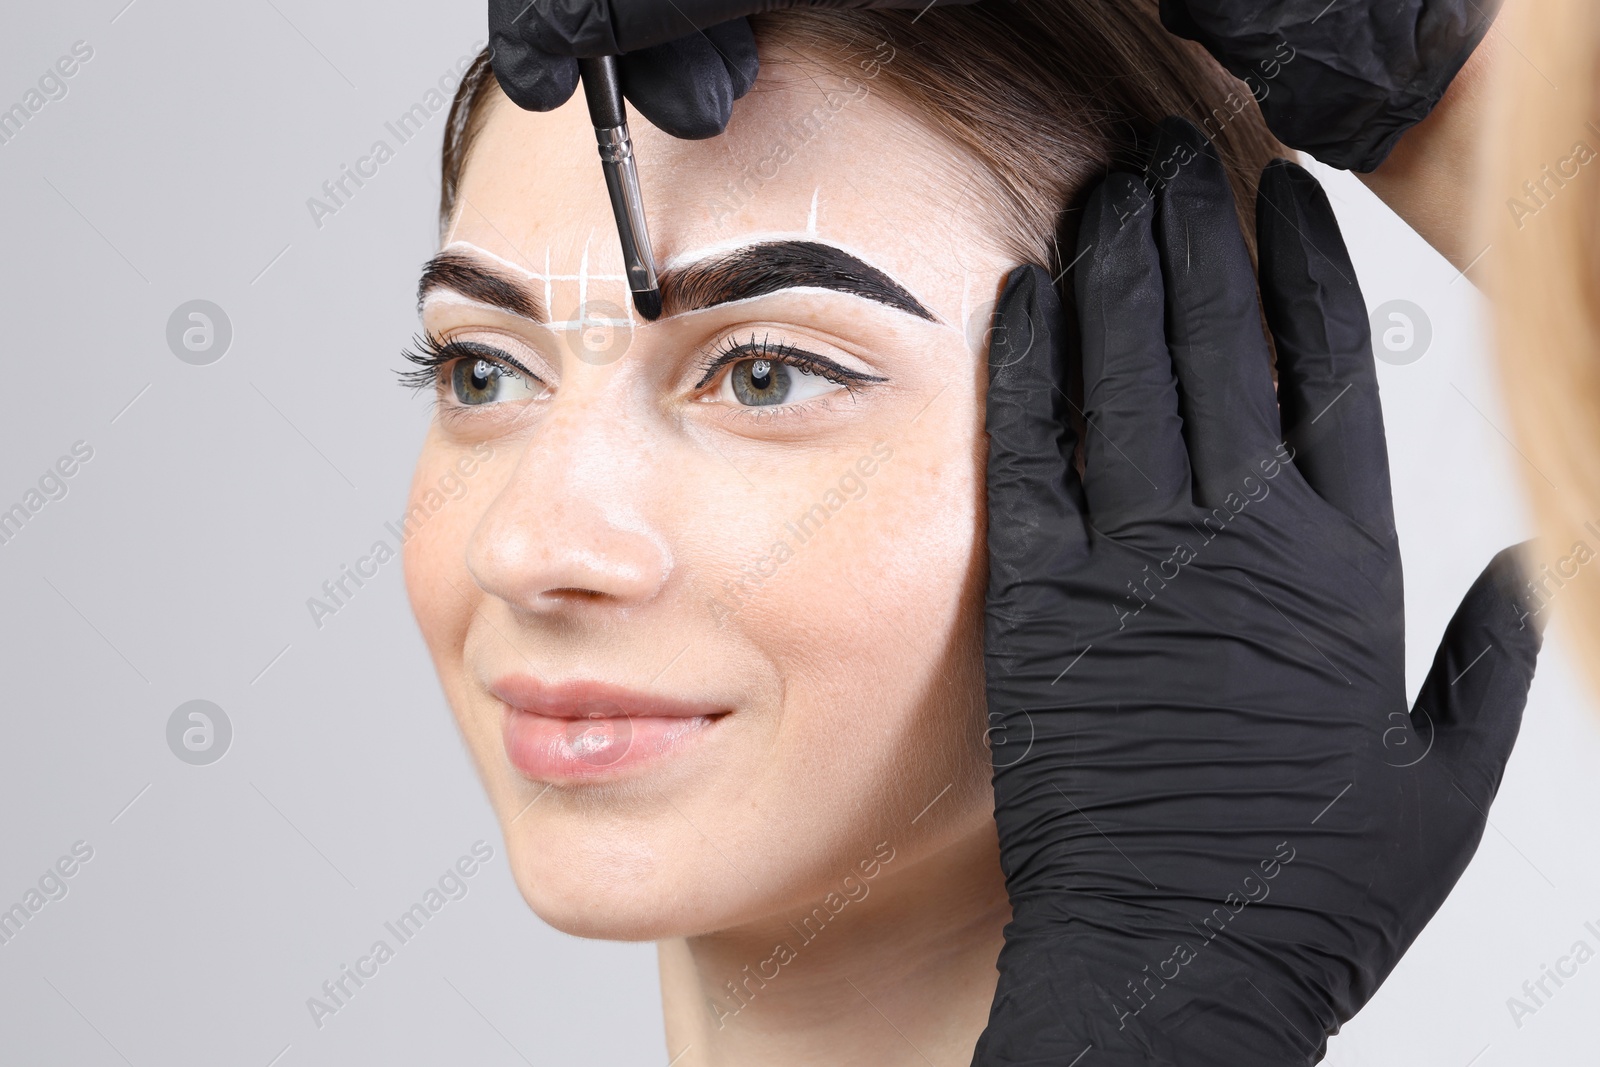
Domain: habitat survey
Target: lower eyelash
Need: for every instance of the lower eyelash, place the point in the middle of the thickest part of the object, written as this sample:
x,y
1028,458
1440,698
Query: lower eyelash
x,y
787,412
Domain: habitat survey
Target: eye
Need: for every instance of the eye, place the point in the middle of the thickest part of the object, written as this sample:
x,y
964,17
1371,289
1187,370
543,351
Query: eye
x,y
466,373
478,381
766,382
766,374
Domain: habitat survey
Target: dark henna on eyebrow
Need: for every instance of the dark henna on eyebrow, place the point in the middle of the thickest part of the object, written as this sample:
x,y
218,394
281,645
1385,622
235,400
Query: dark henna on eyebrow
x,y
774,266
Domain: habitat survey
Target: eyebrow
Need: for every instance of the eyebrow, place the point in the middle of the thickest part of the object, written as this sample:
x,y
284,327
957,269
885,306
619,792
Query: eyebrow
x,y
458,272
760,269
752,271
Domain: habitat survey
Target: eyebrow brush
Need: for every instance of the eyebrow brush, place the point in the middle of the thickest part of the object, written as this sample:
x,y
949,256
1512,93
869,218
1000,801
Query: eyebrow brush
x,y
603,90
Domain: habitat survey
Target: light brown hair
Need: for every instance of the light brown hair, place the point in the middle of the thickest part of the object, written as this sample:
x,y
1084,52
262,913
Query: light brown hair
x,y
1540,198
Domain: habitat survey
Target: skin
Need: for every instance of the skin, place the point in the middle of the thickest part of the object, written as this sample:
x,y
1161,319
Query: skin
x,y
1431,177
619,504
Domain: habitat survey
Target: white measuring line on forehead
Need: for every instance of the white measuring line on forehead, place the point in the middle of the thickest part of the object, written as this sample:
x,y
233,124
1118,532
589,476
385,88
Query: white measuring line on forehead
x,y
583,278
585,321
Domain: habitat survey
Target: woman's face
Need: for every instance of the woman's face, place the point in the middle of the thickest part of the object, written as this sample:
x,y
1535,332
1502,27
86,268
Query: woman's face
x,y
705,593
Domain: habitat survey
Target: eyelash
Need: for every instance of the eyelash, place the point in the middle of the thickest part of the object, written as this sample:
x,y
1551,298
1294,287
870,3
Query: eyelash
x,y
733,351
432,355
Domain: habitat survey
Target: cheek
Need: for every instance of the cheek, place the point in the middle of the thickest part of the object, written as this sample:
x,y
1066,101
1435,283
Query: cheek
x,y
436,530
871,623
851,603
841,567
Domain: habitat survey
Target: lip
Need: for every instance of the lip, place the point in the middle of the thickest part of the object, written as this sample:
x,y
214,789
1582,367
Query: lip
x,y
580,730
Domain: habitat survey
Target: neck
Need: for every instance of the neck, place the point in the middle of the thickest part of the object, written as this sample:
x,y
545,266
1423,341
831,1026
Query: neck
x,y
900,971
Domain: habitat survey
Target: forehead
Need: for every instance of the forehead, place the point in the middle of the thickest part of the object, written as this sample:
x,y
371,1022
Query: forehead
x,y
806,154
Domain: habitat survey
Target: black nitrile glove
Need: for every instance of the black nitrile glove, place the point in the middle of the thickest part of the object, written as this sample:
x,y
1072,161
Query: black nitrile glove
x,y
1343,79
684,62
1220,826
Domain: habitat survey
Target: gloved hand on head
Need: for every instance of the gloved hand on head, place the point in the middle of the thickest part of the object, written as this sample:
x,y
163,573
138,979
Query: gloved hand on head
x,y
1219,822
684,62
1341,81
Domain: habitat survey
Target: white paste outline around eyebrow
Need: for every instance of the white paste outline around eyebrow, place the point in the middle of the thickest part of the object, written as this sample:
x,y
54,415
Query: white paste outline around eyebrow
x,y
446,295
583,278
544,275
751,240
683,259
450,296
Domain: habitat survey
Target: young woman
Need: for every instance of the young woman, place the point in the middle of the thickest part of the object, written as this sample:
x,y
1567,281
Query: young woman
x,y
711,616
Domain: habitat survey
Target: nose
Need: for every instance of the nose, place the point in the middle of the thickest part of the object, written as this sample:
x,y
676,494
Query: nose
x,y
569,530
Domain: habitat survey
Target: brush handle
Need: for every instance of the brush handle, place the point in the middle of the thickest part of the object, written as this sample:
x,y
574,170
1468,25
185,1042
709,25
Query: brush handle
x,y
604,93
602,87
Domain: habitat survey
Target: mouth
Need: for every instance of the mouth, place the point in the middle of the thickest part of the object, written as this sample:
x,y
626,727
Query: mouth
x,y
586,730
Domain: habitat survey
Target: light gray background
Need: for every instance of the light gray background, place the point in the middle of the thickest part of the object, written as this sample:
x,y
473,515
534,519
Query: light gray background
x,y
220,497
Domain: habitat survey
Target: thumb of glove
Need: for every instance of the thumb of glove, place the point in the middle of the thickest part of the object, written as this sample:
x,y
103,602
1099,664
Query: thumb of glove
x,y
1471,702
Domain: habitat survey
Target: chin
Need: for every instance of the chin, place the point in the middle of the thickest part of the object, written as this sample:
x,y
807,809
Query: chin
x,y
599,892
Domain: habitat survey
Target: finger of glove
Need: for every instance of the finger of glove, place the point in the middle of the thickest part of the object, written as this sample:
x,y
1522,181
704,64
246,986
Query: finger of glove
x,y
1472,698
584,29
1135,463
1035,498
1327,381
685,87
736,44
1230,415
1178,21
533,80
587,28
1341,81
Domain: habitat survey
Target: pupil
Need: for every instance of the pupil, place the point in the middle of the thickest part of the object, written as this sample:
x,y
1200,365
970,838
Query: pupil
x,y
760,382
481,372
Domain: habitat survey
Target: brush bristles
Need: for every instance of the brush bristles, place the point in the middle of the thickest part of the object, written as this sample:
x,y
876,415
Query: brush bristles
x,y
649,303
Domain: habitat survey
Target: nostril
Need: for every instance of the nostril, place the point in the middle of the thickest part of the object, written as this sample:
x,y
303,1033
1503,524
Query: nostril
x,y
575,594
